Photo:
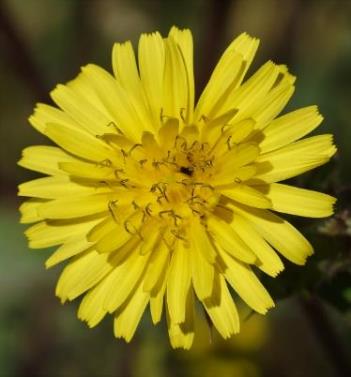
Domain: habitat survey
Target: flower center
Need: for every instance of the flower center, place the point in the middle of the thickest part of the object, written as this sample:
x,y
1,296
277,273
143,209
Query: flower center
x,y
167,179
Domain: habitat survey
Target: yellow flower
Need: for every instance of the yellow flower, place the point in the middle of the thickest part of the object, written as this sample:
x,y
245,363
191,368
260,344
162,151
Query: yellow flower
x,y
155,200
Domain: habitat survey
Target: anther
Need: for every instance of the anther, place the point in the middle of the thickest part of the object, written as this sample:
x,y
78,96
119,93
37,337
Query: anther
x,y
237,180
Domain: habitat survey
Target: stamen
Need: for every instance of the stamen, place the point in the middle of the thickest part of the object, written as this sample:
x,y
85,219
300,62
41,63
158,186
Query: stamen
x,y
194,144
148,209
135,205
133,148
114,125
168,212
176,234
183,146
204,118
164,118
104,163
112,205
228,142
117,171
124,154
203,145
181,113
123,182
108,184
142,162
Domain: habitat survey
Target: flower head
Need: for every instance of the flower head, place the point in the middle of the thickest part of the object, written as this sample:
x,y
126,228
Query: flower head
x,y
158,202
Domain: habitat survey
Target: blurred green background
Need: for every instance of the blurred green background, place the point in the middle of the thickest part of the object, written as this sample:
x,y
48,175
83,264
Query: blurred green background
x,y
43,42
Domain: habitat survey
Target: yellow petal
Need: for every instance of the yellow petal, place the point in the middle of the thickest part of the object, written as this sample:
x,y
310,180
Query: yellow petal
x,y
202,272
29,210
175,89
124,66
157,266
151,56
117,102
81,169
44,114
113,240
82,274
54,188
181,335
44,159
247,195
286,239
227,239
289,128
237,157
252,93
45,234
68,208
184,40
152,236
168,133
227,75
67,250
178,284
269,261
156,300
83,86
79,143
294,159
91,309
275,100
125,282
247,285
101,229
201,241
229,165
298,201
128,317
126,73
223,313
83,112
239,131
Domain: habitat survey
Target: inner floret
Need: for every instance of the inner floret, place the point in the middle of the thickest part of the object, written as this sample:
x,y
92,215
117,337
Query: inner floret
x,y
167,180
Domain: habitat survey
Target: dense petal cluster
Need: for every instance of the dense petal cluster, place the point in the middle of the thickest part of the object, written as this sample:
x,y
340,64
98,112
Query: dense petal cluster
x,y
155,201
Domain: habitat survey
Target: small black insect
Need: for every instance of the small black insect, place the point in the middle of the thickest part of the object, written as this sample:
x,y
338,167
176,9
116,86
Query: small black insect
x,y
187,170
